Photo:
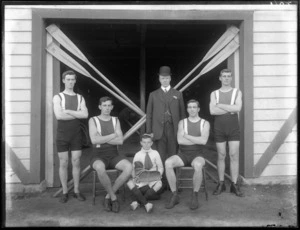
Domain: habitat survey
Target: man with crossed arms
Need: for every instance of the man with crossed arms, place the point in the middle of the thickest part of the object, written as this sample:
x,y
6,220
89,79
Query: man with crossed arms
x,y
192,135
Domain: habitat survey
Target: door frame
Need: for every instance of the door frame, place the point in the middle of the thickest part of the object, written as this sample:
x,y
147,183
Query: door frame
x,y
39,148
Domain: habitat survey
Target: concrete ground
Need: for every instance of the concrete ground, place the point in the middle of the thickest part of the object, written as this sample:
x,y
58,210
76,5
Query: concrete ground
x,y
263,205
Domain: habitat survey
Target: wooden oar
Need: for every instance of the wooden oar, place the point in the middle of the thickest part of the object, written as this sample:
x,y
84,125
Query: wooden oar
x,y
230,33
220,57
62,56
55,32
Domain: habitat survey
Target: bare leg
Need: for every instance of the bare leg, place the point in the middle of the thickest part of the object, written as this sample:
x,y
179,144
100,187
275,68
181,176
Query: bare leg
x,y
104,178
197,164
221,148
63,170
171,163
126,168
234,147
76,169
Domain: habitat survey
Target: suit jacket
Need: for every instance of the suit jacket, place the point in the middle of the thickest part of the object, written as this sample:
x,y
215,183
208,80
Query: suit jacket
x,y
155,111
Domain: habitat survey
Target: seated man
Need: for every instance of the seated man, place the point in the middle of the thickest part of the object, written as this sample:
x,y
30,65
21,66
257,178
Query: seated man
x,y
146,174
105,133
193,133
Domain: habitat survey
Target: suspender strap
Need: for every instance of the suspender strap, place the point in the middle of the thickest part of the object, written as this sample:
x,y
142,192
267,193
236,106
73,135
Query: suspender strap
x,y
217,94
63,100
79,98
233,96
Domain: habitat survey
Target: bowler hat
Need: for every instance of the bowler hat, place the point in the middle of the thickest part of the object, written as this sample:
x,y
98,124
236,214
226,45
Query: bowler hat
x,y
164,71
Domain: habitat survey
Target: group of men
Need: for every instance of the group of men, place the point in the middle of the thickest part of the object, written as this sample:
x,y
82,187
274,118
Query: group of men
x,y
177,141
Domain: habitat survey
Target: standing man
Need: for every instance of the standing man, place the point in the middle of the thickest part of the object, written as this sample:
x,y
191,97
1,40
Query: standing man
x,y
225,103
105,133
69,107
165,109
193,133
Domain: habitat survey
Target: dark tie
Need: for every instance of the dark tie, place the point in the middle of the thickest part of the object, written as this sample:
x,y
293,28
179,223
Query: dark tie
x,y
148,162
165,90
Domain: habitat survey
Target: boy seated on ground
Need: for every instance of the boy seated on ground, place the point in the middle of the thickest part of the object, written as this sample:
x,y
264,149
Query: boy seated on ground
x,y
146,175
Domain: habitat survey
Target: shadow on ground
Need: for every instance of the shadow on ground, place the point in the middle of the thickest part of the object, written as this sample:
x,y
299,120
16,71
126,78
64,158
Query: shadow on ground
x,y
263,205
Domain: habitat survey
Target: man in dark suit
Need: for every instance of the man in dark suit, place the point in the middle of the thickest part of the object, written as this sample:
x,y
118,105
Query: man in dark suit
x,y
165,109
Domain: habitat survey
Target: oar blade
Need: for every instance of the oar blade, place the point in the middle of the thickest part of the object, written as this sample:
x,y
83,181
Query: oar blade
x,y
229,34
55,32
65,58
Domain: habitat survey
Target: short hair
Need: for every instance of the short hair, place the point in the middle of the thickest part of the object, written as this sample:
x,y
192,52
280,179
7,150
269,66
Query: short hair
x,y
146,136
104,99
68,72
193,101
225,71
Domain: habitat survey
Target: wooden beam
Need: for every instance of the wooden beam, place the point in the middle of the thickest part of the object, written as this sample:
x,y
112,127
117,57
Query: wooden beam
x,y
143,72
17,166
276,143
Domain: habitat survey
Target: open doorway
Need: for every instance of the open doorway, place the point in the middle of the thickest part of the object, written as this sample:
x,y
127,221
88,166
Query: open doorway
x,y
114,49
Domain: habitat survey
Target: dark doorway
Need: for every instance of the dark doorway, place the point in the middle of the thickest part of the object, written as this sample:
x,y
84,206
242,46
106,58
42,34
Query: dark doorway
x,y
114,49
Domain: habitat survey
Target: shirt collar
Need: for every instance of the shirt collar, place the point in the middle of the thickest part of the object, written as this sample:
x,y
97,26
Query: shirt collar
x,y
144,151
167,88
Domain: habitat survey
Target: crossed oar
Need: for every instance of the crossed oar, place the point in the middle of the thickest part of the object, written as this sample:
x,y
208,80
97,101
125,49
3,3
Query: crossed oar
x,y
229,40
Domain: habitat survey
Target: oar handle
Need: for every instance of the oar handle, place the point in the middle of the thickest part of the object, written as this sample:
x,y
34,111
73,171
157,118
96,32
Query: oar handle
x,y
117,96
192,71
114,87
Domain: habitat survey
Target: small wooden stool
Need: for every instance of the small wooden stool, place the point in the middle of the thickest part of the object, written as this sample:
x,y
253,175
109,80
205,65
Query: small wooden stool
x,y
95,181
179,179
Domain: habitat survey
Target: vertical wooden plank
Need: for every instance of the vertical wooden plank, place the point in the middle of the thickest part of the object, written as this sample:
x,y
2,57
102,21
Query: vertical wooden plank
x,y
49,117
246,85
36,92
56,82
143,72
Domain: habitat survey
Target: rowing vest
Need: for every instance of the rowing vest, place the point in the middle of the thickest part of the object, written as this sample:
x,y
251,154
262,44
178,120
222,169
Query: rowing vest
x,y
194,129
70,102
227,98
105,128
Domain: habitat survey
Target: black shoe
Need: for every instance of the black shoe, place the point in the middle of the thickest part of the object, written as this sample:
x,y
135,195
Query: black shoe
x,y
115,206
220,188
173,201
107,204
79,196
194,201
64,198
234,188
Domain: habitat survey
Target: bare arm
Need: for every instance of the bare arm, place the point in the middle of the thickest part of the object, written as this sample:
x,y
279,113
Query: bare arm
x,y
60,114
94,135
118,140
213,108
202,140
81,114
233,108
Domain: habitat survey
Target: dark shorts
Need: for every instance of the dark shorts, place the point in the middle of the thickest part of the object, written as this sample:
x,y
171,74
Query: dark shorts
x,y
110,157
226,128
68,137
188,156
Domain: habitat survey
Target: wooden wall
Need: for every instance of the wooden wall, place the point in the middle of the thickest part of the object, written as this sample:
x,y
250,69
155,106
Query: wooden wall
x,y
275,82
17,59
275,86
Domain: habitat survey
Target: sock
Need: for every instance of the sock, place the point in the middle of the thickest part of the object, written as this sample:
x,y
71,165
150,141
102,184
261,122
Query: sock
x,y
139,196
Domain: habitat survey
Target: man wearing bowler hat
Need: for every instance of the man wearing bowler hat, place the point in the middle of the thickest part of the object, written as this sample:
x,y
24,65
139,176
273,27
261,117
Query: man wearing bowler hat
x,y
165,109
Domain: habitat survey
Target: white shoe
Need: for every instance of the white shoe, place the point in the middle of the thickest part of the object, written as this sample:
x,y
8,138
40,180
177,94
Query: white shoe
x,y
134,205
149,207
